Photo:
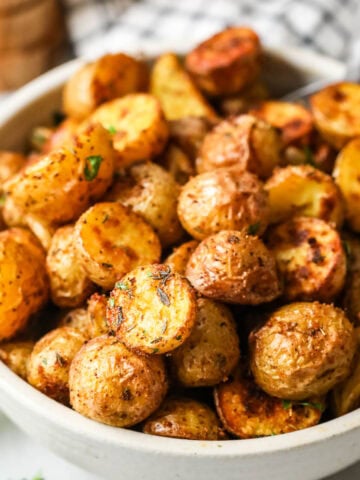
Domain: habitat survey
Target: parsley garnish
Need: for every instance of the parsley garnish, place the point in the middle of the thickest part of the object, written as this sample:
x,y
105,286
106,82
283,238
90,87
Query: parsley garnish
x,y
253,228
120,316
112,129
111,302
2,199
289,404
286,404
106,218
163,297
92,165
309,157
59,359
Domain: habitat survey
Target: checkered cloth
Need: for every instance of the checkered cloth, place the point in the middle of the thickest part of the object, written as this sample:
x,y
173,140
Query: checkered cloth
x,y
98,26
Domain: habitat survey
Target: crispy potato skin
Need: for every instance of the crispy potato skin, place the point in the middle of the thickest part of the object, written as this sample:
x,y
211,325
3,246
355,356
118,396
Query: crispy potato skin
x,y
226,62
109,77
347,177
24,284
113,385
351,300
184,418
243,141
49,364
248,412
310,258
152,310
304,191
69,284
111,239
179,258
16,356
233,267
336,110
212,351
97,305
177,163
303,350
140,131
152,193
177,93
77,318
189,132
223,199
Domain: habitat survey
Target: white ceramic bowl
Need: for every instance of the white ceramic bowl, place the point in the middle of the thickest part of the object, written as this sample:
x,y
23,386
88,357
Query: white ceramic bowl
x,y
118,453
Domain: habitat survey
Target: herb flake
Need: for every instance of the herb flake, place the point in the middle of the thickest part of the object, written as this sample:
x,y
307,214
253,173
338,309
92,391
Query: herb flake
x,y
122,286
111,129
2,199
253,228
163,296
111,302
92,166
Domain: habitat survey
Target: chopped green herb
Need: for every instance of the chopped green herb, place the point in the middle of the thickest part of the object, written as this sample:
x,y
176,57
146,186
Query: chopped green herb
x,y
309,157
155,350
92,165
44,361
156,340
121,286
111,302
318,406
60,360
106,218
120,316
38,140
253,228
347,249
112,129
163,297
2,199
286,404
162,275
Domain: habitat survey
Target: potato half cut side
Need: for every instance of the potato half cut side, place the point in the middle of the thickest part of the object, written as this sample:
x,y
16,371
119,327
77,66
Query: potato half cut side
x,y
152,309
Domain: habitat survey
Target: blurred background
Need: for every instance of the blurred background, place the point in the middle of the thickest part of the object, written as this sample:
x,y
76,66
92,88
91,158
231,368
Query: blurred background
x,y
36,35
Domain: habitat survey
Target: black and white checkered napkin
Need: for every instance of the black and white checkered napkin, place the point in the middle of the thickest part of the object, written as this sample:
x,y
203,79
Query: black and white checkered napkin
x,y
98,26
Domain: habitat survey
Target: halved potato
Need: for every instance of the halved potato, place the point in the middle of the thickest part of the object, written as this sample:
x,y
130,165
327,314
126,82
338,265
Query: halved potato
x,y
111,240
109,77
177,163
152,309
177,93
79,319
137,125
351,300
336,111
96,310
16,356
303,190
184,418
248,412
226,62
310,257
179,258
244,141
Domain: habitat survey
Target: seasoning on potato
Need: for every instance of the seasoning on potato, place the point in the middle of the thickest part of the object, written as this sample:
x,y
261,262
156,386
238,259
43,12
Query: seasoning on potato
x,y
96,310
234,267
115,386
303,350
16,356
152,309
180,256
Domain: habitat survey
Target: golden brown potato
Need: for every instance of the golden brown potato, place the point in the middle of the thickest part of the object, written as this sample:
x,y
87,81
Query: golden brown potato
x,y
62,135
113,385
152,310
49,364
178,95
351,300
189,132
304,191
97,315
245,100
137,126
177,163
69,284
16,356
234,267
310,258
212,351
303,350
347,177
152,193
293,120
10,163
179,258
244,141
336,111
23,280
109,77
79,319
226,62
248,412
184,418
111,240
223,199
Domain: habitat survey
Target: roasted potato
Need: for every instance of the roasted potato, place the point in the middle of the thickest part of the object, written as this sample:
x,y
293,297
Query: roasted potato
x,y
69,284
234,267
97,315
347,177
177,93
16,356
10,163
226,62
303,350
304,191
245,100
212,351
177,163
23,281
137,126
111,76
244,141
49,364
179,258
152,193
248,412
111,239
184,418
152,310
113,385
336,111
310,257
79,319
351,300
223,199
62,135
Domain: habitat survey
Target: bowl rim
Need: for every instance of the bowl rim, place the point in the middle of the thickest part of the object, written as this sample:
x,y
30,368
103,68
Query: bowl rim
x,y
21,393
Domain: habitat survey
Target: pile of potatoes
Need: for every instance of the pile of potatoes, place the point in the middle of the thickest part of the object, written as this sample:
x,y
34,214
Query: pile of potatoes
x,y
181,254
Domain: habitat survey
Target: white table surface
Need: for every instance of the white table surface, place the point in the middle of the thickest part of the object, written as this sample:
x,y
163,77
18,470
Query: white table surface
x,y
23,459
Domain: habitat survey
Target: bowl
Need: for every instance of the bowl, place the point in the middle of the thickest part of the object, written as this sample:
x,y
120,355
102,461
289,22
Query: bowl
x,y
119,453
